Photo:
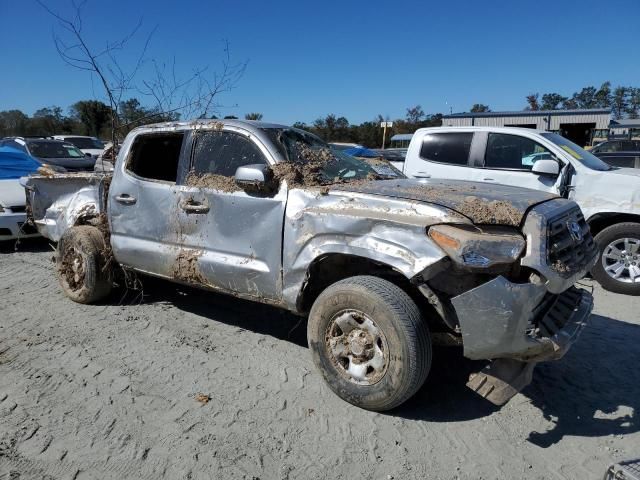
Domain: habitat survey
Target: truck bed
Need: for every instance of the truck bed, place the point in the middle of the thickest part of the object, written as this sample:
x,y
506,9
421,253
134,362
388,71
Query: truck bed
x,y
57,202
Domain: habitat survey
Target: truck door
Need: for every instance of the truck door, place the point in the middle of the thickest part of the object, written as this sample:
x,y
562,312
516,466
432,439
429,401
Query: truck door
x,y
508,160
143,203
231,238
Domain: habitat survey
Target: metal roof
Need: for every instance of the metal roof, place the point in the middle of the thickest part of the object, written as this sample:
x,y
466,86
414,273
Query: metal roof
x,y
625,123
530,113
402,136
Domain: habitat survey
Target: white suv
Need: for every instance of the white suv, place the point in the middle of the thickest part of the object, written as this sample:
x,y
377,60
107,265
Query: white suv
x,y
90,145
608,196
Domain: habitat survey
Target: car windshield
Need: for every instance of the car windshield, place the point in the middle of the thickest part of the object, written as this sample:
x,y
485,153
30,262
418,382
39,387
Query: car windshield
x,y
587,159
54,149
85,142
301,147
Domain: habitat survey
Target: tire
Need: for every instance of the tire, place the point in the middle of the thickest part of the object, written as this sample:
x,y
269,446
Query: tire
x,y
341,321
80,265
613,236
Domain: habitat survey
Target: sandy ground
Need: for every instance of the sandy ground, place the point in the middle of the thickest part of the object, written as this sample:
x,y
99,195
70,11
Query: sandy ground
x,y
111,392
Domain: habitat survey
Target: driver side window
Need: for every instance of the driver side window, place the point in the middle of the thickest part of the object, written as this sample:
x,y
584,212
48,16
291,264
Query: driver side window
x,y
221,153
513,152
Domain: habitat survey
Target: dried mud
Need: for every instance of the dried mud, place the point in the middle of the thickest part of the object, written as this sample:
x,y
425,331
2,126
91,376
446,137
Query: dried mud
x,y
495,212
213,181
186,269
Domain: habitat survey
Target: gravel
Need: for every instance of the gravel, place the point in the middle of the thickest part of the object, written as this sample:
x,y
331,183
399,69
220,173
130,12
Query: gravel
x,y
181,383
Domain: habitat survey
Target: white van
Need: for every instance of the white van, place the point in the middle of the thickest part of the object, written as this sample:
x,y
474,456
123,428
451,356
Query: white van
x,y
608,196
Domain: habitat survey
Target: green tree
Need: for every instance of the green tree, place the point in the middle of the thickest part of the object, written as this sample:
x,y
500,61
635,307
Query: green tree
x,y
552,101
13,123
479,108
619,102
95,116
586,98
633,106
532,102
603,96
415,114
253,116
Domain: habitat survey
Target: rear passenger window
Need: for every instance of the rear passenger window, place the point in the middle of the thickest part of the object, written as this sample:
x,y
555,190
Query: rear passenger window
x,y
513,152
156,156
221,153
450,148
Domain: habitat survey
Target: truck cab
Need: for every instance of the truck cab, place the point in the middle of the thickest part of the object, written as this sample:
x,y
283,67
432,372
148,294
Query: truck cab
x,y
609,196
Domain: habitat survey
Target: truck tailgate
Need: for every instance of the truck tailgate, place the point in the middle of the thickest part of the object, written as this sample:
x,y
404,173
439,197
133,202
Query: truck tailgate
x,y
56,202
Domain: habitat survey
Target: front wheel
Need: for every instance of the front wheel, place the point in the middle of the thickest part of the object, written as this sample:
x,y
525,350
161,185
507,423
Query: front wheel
x,y
369,341
618,267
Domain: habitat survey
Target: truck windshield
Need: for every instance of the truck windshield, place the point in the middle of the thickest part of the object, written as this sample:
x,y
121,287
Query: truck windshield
x,y
587,159
301,147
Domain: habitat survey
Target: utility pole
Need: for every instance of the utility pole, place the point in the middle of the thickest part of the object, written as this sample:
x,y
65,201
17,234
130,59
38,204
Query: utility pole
x,y
384,126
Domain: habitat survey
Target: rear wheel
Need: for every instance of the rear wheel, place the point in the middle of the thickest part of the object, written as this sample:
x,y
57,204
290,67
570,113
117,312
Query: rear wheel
x,y
618,268
369,341
81,265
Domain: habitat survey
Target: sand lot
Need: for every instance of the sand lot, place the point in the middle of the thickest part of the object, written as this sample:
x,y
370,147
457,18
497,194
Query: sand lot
x,y
187,384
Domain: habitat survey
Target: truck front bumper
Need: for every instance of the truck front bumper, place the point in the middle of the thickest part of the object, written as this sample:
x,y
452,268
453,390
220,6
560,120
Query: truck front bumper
x,y
501,319
516,326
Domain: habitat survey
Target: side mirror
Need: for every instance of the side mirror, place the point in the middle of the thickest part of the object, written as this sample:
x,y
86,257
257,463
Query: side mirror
x,y
546,167
256,175
88,155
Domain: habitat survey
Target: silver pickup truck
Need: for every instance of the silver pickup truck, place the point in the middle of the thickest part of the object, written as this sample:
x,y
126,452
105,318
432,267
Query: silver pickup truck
x,y
381,265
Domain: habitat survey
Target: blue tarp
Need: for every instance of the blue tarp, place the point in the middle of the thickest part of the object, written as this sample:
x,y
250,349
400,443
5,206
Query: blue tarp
x,y
15,163
360,152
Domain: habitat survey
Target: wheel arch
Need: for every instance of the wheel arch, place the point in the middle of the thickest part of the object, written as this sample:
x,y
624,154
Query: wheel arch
x,y
600,221
330,268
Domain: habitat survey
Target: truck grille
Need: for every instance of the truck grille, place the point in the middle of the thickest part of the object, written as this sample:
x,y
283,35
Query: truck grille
x,y
570,244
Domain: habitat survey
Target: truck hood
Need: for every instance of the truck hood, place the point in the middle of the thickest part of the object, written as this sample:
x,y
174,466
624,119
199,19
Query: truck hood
x,y
483,204
12,193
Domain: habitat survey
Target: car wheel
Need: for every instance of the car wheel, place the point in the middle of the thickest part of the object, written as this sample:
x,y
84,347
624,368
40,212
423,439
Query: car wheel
x,y
369,341
618,267
81,265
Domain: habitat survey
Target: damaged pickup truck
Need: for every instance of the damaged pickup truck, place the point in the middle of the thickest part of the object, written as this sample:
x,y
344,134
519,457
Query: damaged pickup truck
x,y
381,265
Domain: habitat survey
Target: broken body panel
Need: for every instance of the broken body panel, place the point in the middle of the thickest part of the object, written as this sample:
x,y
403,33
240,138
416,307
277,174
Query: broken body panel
x,y
262,246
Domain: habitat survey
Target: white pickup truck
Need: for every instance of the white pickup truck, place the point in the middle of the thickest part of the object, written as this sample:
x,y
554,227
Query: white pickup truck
x,y
608,196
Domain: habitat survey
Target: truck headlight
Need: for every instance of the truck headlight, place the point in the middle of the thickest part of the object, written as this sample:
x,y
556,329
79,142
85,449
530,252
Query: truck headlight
x,y
476,248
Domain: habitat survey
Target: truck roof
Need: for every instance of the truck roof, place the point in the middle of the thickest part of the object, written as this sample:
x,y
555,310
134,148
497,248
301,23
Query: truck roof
x,y
212,121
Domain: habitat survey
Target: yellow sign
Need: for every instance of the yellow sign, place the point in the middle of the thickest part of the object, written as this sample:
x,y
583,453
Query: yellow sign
x,y
571,151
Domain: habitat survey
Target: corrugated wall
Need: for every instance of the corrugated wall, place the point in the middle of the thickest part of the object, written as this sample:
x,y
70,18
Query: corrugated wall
x,y
601,121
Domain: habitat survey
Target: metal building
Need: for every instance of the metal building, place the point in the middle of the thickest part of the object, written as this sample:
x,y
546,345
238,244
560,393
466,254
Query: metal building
x,y
583,127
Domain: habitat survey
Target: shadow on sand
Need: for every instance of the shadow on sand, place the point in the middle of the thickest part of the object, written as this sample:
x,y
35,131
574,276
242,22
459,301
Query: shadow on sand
x,y
593,391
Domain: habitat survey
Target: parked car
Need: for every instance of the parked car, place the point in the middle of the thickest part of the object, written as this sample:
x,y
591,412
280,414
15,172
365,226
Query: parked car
x,y
13,219
90,145
380,264
619,153
609,196
51,152
395,156
344,146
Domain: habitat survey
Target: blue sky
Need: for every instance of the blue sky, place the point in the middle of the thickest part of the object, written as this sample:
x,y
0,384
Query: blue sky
x,y
352,58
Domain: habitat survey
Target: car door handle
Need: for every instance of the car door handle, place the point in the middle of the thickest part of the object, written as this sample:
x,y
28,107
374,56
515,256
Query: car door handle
x,y
126,199
489,179
191,207
422,175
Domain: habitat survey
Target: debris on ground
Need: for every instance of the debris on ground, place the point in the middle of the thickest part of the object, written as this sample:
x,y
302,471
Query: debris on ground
x,y
203,398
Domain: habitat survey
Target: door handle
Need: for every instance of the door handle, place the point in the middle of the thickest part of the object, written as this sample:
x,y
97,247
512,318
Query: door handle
x,y
126,199
488,179
191,207
422,175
